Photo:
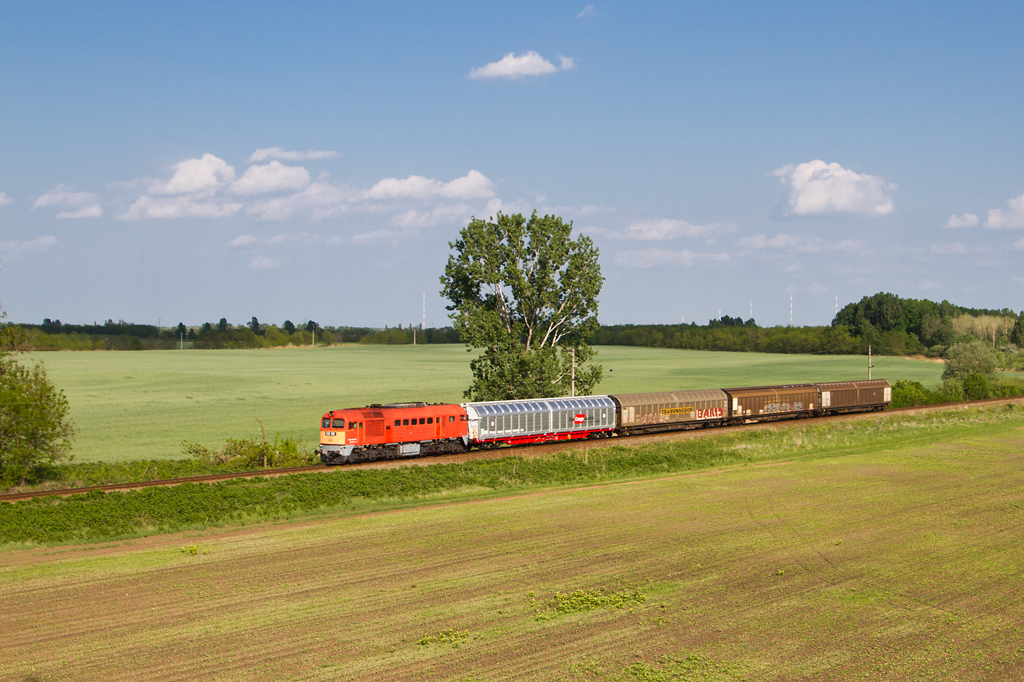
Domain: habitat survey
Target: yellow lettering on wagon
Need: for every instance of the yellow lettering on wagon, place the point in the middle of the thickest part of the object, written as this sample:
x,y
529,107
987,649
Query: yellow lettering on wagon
x,y
677,410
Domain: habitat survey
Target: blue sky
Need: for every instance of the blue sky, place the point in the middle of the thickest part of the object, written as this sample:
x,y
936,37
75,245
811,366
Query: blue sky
x,y
190,161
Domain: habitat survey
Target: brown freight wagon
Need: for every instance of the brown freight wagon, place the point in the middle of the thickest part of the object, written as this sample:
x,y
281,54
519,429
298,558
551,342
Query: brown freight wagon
x,y
854,396
649,412
765,403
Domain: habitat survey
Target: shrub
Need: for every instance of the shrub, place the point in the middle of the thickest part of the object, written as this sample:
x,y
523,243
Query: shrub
x,y
951,390
963,359
907,393
976,387
34,428
252,453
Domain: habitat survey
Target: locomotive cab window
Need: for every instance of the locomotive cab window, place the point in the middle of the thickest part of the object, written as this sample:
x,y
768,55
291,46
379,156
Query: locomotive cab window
x,y
325,423
338,424
451,420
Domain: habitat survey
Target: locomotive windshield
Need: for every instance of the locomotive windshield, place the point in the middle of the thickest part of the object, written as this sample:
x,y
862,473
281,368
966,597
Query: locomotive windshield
x,y
338,424
325,423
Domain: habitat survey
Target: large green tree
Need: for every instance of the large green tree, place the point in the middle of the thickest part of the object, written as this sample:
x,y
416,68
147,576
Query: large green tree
x,y
526,293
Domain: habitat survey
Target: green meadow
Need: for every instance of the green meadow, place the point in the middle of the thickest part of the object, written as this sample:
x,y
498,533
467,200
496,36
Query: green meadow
x,y
142,405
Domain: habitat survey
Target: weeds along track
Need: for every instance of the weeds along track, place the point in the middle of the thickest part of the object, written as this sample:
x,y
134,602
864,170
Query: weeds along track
x,y
522,450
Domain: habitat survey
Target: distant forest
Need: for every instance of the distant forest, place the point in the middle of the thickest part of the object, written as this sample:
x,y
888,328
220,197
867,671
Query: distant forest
x,y
889,324
54,335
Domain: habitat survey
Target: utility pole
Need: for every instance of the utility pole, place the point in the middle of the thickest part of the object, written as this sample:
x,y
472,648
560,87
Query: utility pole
x,y
869,363
572,388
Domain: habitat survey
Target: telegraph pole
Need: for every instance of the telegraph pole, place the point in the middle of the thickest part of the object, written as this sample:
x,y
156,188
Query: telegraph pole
x,y
572,389
869,363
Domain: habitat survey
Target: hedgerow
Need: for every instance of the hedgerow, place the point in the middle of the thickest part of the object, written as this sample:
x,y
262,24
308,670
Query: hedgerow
x,y
102,515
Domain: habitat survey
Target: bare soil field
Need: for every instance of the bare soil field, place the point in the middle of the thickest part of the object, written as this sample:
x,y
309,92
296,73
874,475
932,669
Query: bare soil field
x,y
889,564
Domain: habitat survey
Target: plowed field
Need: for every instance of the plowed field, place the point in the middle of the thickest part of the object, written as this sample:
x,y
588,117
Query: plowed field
x,y
883,565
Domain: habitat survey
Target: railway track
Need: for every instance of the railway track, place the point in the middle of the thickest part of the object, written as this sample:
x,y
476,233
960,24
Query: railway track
x,y
524,450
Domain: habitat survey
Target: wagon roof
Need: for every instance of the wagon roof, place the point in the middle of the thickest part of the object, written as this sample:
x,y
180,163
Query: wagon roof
x,y
670,397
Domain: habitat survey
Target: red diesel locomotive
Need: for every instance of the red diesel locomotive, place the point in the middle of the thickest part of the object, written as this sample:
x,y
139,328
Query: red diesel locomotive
x,y
389,431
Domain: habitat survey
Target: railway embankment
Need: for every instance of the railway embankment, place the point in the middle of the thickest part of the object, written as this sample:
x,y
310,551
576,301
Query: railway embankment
x,y
104,515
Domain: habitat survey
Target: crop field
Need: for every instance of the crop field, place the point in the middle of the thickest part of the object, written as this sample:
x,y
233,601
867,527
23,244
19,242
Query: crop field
x,y
142,405
898,560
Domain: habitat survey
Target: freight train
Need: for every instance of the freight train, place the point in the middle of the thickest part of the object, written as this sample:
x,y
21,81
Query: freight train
x,y
396,430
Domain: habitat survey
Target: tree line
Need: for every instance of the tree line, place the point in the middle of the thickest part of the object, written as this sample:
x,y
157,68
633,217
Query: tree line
x,y
53,335
890,325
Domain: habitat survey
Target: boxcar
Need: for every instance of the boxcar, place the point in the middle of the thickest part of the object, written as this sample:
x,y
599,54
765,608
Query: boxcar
x,y
765,403
650,412
854,396
390,431
537,421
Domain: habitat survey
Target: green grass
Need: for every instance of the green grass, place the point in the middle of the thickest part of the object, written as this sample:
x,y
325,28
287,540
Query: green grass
x,y
141,405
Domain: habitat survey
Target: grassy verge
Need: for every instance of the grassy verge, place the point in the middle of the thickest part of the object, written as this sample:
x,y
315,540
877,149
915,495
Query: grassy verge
x,y
99,516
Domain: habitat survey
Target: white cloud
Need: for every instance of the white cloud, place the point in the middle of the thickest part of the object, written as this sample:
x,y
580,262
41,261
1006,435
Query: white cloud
x,y
795,244
85,204
649,258
196,182
273,177
38,245
4,199
322,199
761,241
965,220
379,237
954,249
263,263
439,215
474,185
279,153
848,245
567,63
817,188
90,211
204,175
666,228
207,188
179,207
247,239
588,11
510,66
1011,219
